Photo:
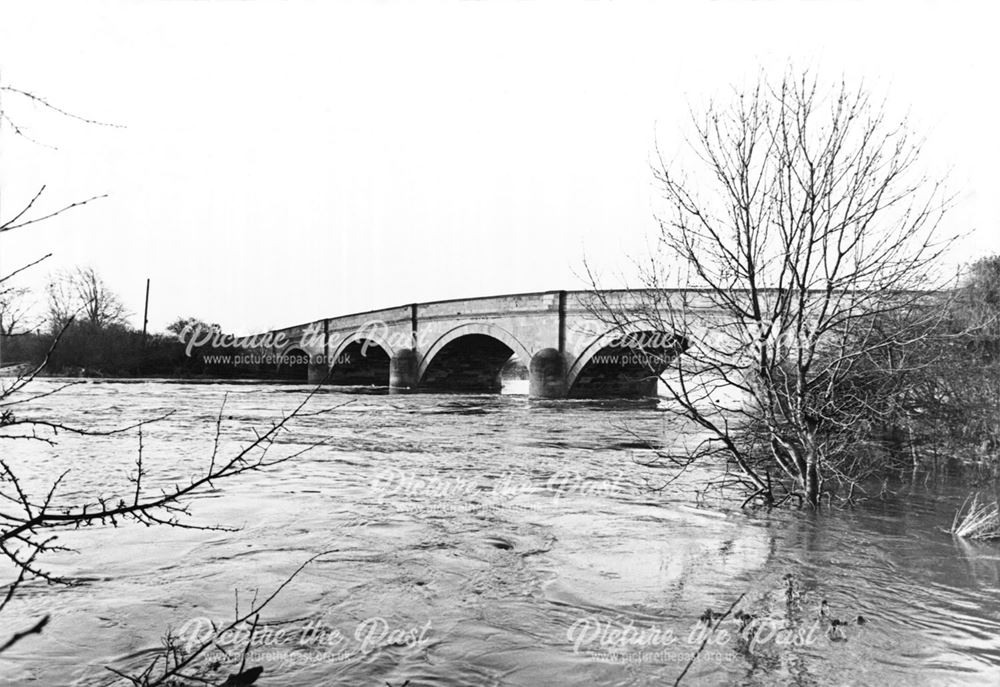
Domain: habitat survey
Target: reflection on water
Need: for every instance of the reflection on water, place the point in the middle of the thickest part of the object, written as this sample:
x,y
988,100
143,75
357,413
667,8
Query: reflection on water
x,y
487,540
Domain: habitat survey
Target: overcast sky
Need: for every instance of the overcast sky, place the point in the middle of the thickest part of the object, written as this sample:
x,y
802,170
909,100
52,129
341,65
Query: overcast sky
x,y
283,162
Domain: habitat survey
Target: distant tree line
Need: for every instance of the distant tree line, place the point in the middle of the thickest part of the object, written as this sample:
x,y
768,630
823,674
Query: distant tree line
x,y
85,332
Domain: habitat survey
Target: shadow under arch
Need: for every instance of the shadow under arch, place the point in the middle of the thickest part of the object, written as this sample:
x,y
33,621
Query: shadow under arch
x,y
360,360
623,364
293,365
470,357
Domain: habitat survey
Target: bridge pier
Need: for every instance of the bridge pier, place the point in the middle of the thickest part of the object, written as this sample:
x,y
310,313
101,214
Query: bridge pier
x,y
317,372
547,375
403,370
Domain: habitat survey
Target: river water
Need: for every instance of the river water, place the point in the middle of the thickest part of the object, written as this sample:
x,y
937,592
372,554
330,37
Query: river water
x,y
484,540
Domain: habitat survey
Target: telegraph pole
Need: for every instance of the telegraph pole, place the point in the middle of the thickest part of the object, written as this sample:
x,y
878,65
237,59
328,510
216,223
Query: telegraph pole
x,y
145,314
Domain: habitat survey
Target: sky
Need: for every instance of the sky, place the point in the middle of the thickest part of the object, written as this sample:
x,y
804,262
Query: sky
x,y
272,163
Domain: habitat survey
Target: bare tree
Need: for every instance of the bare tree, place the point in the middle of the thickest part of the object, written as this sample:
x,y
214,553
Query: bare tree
x,y
29,213
81,294
177,664
14,309
805,256
29,529
33,517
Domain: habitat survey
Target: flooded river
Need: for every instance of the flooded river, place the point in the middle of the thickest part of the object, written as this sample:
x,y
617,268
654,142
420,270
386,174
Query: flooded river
x,y
485,540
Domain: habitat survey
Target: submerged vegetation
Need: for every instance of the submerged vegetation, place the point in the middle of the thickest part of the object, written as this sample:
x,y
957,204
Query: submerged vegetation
x,y
978,519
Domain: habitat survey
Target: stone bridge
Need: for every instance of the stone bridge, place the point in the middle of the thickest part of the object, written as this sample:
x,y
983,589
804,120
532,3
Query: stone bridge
x,y
555,344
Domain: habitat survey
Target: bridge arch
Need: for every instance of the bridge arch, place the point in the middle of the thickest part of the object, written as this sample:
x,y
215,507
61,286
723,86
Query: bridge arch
x,y
293,364
633,361
375,338
496,347
360,359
